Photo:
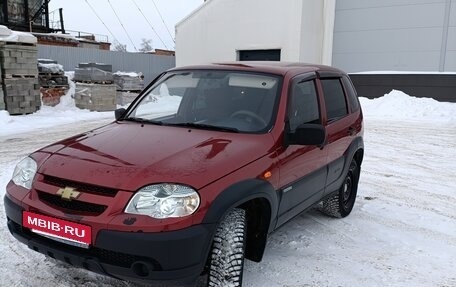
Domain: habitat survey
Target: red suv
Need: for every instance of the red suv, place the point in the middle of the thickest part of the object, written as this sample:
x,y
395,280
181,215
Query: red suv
x,y
196,182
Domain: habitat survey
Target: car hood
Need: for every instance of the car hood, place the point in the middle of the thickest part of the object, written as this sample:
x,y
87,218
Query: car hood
x,y
128,155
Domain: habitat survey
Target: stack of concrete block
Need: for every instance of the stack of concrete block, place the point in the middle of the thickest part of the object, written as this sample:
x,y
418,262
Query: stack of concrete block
x,y
95,97
19,59
101,66
129,85
22,96
131,82
94,87
93,73
125,97
18,63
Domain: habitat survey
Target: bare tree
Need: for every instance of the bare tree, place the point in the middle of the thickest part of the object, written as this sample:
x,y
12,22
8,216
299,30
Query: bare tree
x,y
146,45
119,47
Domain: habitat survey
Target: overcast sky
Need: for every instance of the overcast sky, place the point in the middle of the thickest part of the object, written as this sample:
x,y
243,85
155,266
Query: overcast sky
x,y
78,16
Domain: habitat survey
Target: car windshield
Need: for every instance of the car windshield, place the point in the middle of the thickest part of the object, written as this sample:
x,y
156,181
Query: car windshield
x,y
210,99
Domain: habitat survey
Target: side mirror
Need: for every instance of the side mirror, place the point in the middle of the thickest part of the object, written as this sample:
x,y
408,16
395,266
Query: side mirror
x,y
119,113
308,134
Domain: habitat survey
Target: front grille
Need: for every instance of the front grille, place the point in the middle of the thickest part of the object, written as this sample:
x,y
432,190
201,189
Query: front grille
x,y
74,206
84,187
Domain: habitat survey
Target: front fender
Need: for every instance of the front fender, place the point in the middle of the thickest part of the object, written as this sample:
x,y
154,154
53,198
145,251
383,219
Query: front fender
x,y
240,193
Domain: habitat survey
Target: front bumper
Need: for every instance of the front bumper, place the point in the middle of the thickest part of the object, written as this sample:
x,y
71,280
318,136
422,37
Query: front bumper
x,y
176,256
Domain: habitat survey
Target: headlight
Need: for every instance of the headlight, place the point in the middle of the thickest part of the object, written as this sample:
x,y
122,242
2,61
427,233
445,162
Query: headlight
x,y
164,201
25,172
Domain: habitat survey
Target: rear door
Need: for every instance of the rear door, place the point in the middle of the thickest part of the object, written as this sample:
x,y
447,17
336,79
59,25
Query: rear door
x,y
341,127
302,168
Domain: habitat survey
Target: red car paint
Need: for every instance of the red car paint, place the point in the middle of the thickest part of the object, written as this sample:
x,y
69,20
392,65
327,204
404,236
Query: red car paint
x,y
126,156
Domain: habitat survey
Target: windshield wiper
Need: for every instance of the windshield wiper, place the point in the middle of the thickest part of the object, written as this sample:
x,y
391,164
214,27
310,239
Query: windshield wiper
x,y
144,121
205,127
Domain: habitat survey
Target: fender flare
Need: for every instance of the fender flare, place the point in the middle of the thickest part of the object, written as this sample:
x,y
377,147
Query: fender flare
x,y
239,193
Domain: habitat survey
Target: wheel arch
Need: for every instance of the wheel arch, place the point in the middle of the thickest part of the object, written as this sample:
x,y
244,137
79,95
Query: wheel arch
x,y
359,155
259,199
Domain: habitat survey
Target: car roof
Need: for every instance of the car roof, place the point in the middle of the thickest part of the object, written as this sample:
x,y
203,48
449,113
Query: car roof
x,y
273,67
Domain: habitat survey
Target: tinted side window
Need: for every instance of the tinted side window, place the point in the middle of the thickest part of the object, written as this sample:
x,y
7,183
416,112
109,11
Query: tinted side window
x,y
336,106
303,103
352,96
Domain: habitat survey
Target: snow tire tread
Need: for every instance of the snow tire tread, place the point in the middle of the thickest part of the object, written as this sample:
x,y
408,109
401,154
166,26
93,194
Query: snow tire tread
x,y
227,254
333,206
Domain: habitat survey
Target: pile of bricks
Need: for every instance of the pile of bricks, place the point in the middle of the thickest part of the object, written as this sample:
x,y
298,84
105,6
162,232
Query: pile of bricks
x,y
94,88
53,82
21,91
93,73
131,82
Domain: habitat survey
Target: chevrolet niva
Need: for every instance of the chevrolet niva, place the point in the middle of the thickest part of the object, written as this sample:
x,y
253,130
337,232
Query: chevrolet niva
x,y
194,185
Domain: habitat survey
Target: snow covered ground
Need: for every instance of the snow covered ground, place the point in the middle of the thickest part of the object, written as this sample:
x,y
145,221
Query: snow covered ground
x,y
402,231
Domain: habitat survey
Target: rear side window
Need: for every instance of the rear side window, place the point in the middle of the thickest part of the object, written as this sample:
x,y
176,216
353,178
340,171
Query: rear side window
x,y
352,96
336,105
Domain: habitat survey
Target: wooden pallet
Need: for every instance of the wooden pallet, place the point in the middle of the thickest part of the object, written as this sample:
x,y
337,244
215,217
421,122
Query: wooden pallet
x,y
62,74
96,82
55,86
19,76
16,43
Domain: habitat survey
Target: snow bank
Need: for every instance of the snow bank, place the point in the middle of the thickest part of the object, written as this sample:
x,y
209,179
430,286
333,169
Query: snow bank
x,y
398,105
5,118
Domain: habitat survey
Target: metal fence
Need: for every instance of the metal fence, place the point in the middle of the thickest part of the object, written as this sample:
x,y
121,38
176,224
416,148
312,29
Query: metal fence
x,y
441,87
150,65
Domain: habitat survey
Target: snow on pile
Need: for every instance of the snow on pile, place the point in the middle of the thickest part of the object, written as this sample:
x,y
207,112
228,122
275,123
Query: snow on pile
x,y
8,35
398,105
53,68
128,74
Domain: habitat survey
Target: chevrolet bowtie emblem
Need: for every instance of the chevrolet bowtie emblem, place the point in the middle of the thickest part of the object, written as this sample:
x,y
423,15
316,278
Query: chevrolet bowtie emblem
x,y
68,193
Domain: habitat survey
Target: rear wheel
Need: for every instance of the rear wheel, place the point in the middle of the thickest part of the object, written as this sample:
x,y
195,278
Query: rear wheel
x,y
341,203
226,261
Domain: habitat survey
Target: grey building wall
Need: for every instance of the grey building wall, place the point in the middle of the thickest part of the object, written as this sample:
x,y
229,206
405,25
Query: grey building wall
x,y
402,35
450,60
150,65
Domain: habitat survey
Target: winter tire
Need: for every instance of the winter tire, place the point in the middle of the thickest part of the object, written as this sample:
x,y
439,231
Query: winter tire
x,y
226,261
341,203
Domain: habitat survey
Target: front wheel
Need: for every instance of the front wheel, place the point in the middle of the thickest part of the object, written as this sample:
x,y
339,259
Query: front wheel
x,y
226,261
342,202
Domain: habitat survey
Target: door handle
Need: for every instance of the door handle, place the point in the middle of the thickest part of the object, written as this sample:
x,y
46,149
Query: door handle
x,y
351,131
